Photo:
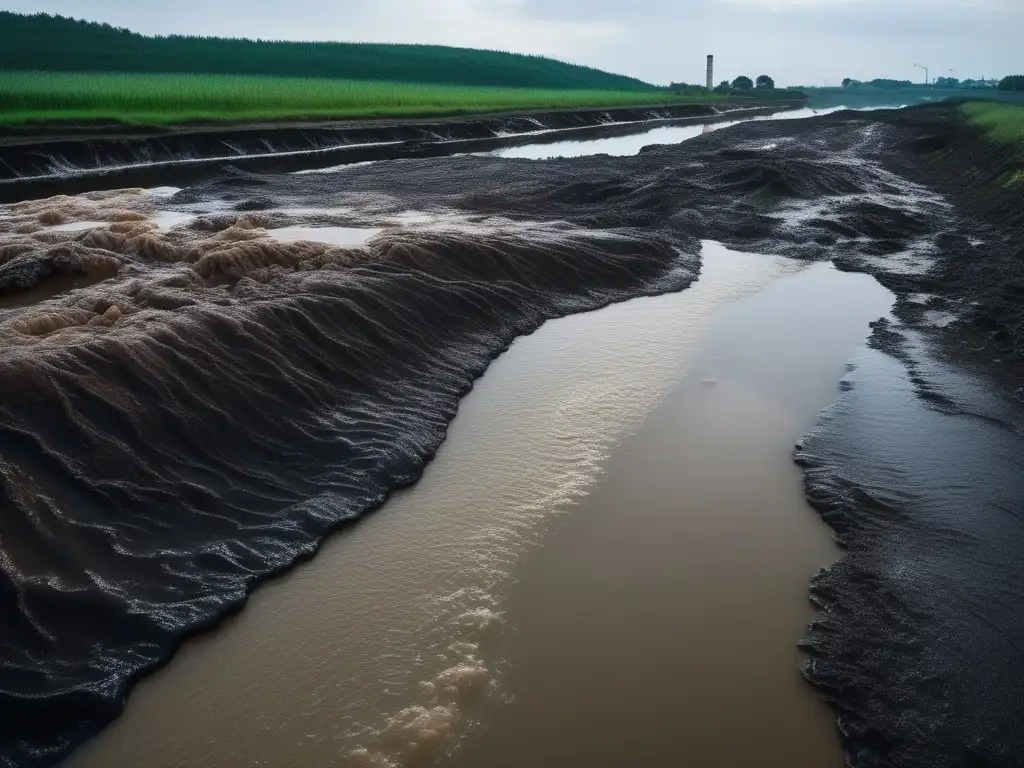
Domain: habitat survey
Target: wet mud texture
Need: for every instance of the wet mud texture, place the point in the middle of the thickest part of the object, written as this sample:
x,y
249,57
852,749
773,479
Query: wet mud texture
x,y
919,469
188,411
979,277
46,160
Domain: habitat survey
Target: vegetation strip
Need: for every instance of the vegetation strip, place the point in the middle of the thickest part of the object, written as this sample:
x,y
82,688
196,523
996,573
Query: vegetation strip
x,y
169,98
1003,123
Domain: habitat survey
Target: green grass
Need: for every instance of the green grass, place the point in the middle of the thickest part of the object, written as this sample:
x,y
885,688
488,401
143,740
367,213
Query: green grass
x,y
1003,123
161,99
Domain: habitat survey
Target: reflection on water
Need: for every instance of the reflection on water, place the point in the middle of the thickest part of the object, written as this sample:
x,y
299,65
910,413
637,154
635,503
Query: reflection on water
x,y
668,602
659,626
346,236
384,647
632,144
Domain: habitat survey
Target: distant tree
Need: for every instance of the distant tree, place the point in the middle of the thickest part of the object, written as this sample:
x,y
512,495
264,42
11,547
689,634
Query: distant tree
x,y
742,83
765,83
1012,83
847,82
44,42
947,82
890,84
723,87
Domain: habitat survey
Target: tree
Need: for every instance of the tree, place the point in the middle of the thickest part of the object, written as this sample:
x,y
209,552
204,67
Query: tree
x,y
947,82
847,82
742,83
723,87
884,84
1012,83
765,83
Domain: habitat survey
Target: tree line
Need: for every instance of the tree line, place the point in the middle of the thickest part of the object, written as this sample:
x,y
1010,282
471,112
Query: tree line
x,y
1011,83
55,43
744,83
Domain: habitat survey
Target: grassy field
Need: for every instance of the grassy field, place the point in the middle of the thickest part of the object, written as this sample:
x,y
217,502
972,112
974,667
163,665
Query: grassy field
x,y
42,42
162,99
1001,122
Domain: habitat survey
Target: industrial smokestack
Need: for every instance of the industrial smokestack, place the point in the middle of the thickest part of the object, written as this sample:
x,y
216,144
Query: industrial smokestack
x,y
711,72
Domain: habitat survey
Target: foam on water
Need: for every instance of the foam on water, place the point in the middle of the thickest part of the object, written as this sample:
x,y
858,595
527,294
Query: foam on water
x,y
423,623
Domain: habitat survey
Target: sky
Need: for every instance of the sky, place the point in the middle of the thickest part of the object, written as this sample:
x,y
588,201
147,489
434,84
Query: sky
x,y
798,42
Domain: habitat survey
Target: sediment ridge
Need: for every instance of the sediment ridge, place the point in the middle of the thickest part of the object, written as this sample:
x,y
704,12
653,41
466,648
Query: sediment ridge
x,y
190,409
37,161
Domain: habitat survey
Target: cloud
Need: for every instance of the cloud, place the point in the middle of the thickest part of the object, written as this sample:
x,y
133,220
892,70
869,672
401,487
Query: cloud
x,y
497,24
796,41
782,5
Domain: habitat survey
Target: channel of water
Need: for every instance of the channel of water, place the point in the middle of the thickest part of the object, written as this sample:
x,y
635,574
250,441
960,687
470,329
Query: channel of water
x,y
606,564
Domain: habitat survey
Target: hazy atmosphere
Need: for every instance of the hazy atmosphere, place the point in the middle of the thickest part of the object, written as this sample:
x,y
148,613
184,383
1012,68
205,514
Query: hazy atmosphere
x,y
797,41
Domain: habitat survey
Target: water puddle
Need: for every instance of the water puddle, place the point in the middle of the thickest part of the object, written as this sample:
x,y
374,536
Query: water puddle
x,y
76,226
632,144
653,568
172,219
345,236
53,286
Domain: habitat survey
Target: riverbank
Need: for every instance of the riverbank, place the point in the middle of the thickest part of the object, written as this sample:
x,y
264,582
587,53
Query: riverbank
x,y
530,523
974,275
45,161
289,396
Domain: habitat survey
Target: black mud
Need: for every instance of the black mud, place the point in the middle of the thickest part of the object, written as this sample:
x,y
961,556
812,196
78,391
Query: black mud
x,y
919,469
206,403
38,161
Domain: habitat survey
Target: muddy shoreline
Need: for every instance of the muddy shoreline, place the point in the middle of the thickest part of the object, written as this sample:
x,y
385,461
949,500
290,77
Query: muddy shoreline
x,y
38,163
216,402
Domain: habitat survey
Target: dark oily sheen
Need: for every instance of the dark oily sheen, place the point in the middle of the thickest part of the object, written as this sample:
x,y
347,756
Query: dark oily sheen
x,y
918,469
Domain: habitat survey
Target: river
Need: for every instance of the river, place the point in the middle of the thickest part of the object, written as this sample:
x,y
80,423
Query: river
x,y
613,511
607,561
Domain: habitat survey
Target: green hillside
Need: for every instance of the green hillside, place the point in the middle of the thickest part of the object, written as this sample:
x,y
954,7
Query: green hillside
x,y
54,43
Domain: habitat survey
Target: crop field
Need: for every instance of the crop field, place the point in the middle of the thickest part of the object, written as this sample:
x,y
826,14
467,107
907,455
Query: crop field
x,y
1001,122
160,99
57,69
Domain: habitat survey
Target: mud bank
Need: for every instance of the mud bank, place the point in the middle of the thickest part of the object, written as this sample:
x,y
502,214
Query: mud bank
x,y
974,290
918,469
38,162
203,403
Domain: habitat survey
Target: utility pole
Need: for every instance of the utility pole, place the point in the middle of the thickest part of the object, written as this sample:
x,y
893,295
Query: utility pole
x,y
921,66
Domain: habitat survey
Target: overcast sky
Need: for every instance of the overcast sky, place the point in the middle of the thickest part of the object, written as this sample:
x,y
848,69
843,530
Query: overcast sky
x,y
796,41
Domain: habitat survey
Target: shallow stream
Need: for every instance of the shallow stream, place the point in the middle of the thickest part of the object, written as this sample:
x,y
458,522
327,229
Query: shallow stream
x,y
614,510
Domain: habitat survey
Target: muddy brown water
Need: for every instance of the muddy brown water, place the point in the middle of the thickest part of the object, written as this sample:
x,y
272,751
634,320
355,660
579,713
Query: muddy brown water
x,y
606,564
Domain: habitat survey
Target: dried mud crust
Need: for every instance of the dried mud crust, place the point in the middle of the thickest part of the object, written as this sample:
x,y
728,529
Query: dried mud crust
x,y
188,411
